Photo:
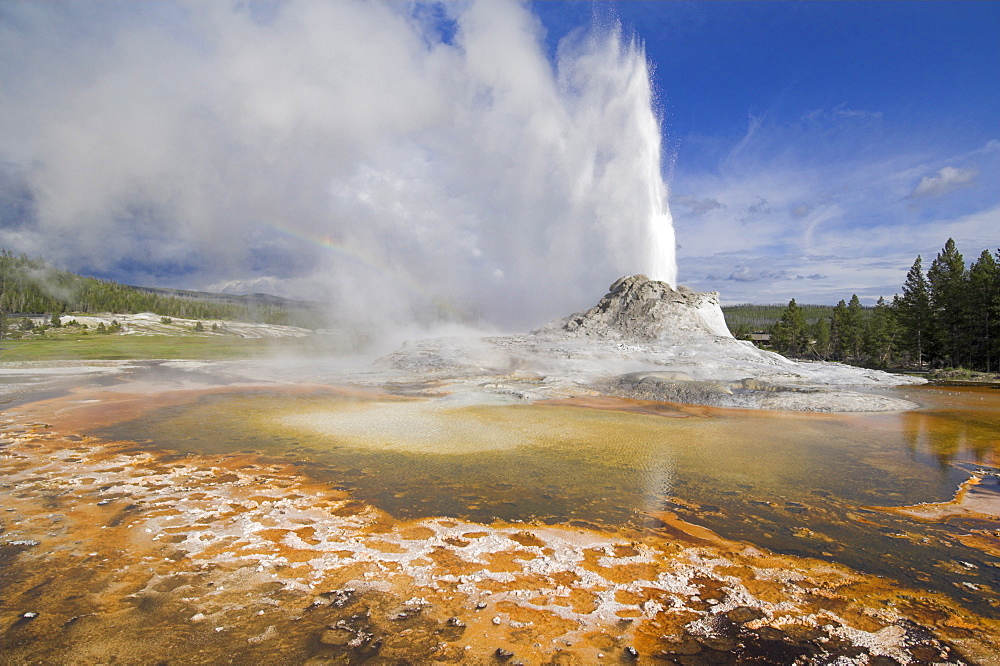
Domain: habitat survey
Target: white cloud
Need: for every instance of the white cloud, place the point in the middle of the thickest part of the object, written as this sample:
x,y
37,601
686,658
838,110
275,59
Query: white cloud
x,y
744,274
946,180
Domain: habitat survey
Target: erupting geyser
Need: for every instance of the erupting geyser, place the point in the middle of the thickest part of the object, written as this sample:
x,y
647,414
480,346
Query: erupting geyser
x,y
399,161
631,199
662,262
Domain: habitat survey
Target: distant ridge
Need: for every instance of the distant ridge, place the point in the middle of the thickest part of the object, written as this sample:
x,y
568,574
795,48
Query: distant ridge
x,y
256,299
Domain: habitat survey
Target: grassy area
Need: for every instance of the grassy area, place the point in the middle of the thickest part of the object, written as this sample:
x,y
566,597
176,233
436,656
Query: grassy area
x,y
123,347
963,375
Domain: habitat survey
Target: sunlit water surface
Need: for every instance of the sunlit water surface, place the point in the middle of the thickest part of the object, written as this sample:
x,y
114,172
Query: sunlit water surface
x,y
795,483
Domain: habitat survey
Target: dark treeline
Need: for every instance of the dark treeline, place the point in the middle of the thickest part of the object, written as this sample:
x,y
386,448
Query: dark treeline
x,y
747,318
946,317
31,286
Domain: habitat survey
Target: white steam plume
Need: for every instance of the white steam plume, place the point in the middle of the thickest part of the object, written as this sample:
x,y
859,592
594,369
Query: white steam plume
x,y
396,161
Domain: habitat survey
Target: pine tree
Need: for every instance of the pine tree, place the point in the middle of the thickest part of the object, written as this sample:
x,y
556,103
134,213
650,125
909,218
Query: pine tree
x,y
838,330
947,281
984,310
849,329
820,332
854,324
880,334
790,333
914,310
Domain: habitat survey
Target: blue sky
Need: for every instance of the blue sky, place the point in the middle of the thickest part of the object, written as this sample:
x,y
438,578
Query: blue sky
x,y
814,149
498,160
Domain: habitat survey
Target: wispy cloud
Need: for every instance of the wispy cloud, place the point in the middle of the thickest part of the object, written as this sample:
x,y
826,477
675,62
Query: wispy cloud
x,y
746,274
755,210
946,180
698,206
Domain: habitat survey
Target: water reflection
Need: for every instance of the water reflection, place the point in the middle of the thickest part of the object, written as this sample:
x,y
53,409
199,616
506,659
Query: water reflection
x,y
960,425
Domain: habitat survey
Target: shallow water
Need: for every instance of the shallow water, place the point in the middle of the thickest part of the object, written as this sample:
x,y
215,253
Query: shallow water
x,y
802,484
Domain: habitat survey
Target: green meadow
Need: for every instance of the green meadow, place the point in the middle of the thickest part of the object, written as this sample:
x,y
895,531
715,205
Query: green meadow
x,y
129,347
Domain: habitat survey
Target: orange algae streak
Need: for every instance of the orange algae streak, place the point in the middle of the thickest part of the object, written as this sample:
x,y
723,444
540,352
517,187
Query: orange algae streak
x,y
687,529
977,497
984,540
92,408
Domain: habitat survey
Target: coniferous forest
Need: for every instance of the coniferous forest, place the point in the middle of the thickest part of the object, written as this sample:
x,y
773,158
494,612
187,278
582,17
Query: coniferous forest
x,y
947,316
32,286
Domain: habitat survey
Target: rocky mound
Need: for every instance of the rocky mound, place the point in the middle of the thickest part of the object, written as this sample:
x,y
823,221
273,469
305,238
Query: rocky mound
x,y
643,340
643,310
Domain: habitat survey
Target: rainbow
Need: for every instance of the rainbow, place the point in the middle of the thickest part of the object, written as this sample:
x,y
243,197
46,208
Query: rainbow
x,y
405,281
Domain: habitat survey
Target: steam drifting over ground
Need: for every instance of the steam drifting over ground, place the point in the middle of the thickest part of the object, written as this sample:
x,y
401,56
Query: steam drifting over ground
x,y
396,161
